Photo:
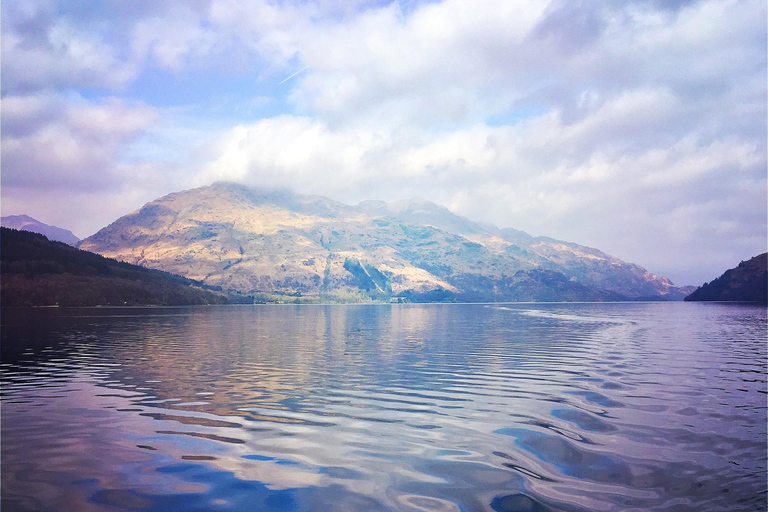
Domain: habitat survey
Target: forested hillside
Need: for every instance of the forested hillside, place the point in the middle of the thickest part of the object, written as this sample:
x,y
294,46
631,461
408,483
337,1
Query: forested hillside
x,y
746,283
39,272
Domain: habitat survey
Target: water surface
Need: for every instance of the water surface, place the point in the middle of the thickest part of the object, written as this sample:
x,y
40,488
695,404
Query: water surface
x,y
571,407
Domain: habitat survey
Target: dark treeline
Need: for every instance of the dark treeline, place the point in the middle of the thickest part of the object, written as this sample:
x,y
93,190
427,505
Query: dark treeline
x,y
39,272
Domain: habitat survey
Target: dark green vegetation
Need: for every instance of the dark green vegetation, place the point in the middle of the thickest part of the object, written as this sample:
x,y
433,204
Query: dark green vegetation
x,y
39,272
746,283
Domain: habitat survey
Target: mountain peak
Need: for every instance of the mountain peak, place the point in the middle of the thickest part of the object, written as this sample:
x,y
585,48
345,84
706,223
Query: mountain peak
x,y
257,240
422,211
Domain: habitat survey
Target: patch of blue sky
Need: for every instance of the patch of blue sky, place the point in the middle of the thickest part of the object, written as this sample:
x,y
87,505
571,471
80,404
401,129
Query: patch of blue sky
x,y
405,6
408,6
196,106
516,114
282,462
177,138
211,93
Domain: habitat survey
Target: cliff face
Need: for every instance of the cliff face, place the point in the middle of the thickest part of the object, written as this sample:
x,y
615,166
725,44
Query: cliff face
x,y
252,241
746,283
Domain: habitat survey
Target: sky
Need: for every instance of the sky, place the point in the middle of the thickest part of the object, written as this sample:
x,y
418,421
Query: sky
x,y
634,126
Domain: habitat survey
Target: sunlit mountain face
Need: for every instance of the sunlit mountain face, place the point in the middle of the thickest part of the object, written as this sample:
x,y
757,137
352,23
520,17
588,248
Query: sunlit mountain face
x,y
259,241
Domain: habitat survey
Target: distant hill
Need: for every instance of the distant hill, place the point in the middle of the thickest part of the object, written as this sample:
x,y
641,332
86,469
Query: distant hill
x,y
746,283
27,223
267,242
38,272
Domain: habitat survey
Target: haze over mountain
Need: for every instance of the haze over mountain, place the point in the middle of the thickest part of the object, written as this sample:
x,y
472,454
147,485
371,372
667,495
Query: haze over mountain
x,y
27,223
254,240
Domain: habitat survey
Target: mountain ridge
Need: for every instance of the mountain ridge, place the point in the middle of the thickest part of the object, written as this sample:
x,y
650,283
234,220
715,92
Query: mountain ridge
x,y
747,282
262,241
27,223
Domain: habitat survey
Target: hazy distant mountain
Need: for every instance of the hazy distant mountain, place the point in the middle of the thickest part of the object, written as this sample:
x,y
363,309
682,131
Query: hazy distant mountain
x,y
746,283
38,272
253,240
27,223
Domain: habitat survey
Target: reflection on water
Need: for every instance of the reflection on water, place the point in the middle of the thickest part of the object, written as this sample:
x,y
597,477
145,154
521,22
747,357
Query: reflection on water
x,y
403,407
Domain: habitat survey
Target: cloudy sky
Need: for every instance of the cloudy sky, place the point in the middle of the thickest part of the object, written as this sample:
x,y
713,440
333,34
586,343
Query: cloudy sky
x,y
637,127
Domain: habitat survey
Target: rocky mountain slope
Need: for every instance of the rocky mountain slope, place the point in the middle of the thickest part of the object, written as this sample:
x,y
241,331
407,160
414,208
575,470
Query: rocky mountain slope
x,y
253,241
27,223
746,283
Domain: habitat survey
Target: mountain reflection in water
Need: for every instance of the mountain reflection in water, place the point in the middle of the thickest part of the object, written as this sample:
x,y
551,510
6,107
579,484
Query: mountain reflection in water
x,y
509,407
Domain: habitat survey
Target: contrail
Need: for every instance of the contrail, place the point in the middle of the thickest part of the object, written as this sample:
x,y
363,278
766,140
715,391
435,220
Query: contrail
x,y
293,75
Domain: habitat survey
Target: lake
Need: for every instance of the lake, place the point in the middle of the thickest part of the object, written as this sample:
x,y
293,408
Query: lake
x,y
438,407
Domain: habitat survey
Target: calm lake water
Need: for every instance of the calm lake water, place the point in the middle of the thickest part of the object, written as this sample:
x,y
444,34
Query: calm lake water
x,y
573,407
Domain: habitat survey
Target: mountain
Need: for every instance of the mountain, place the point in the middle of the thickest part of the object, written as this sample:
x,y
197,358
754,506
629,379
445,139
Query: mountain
x,y
27,223
746,283
261,241
38,272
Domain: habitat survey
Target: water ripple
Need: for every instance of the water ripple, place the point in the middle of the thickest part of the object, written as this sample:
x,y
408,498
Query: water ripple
x,y
568,407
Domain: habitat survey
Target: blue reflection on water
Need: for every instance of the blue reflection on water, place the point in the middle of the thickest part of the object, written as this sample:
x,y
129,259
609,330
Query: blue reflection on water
x,y
435,407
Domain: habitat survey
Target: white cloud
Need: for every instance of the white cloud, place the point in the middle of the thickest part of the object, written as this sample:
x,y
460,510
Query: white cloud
x,y
67,58
606,180
445,63
67,143
170,44
636,126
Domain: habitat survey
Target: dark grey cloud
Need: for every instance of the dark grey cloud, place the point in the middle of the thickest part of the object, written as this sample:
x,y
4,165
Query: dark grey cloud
x,y
571,25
